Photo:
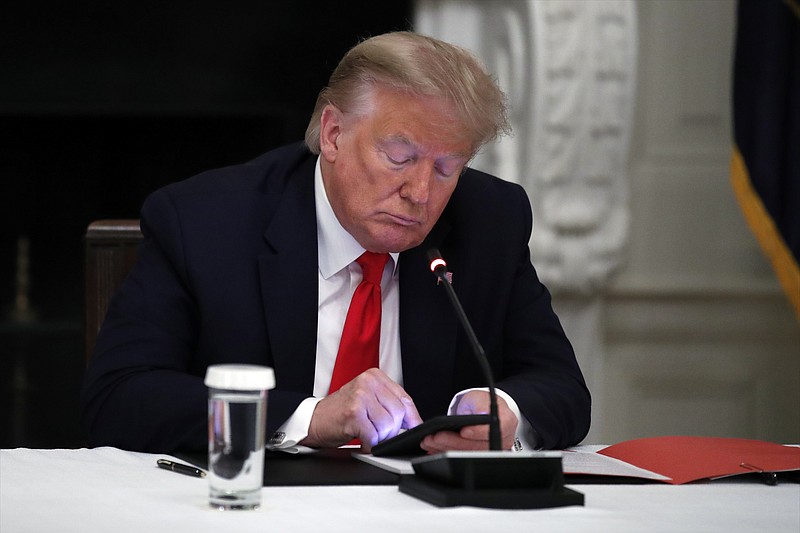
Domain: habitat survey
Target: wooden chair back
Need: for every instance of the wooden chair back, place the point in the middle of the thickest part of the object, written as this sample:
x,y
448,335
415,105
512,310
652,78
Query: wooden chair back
x,y
111,248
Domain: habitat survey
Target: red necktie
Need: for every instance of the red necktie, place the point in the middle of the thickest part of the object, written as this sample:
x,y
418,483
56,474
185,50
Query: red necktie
x,y
361,336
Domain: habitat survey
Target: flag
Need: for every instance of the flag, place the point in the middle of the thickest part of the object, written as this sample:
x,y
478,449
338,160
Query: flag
x,y
765,165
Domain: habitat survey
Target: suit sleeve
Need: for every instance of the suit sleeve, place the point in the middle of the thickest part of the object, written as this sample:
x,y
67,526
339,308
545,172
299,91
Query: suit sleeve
x,y
539,369
138,391
143,389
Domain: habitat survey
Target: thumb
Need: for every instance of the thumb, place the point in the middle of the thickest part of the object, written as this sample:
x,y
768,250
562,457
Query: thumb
x,y
473,403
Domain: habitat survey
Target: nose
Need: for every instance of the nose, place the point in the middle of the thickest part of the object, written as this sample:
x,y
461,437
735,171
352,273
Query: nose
x,y
417,184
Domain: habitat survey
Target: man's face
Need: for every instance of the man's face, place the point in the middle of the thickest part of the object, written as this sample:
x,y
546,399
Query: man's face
x,y
389,173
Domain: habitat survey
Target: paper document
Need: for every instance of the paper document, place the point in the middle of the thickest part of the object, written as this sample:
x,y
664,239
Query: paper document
x,y
673,460
579,460
586,460
395,465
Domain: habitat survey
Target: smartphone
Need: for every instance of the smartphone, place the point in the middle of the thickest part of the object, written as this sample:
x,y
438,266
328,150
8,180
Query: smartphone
x,y
407,443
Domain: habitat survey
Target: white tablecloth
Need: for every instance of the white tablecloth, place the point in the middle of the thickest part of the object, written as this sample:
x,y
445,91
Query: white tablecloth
x,y
106,489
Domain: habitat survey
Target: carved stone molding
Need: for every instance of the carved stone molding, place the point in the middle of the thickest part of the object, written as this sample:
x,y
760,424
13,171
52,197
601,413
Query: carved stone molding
x,y
568,68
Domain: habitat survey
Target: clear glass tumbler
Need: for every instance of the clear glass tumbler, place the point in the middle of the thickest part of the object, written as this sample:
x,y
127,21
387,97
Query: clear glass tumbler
x,y
237,419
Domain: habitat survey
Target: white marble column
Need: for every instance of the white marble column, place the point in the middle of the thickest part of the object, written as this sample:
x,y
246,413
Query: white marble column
x,y
568,68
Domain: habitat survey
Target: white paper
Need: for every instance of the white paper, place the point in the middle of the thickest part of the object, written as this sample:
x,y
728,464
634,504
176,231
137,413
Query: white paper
x,y
578,460
586,460
390,464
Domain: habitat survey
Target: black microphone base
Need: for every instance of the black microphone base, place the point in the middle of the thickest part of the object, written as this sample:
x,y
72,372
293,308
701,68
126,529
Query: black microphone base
x,y
444,496
498,480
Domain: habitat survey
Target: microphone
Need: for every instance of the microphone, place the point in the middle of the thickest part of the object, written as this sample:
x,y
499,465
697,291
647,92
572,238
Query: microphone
x,y
494,478
439,267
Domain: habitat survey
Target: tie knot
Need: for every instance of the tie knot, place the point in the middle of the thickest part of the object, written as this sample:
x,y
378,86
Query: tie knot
x,y
372,266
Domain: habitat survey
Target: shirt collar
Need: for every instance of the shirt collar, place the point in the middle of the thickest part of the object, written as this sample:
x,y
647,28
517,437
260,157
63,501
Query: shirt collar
x,y
336,248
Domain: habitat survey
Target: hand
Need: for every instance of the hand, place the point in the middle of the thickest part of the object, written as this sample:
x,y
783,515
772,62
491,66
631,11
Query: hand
x,y
371,408
474,437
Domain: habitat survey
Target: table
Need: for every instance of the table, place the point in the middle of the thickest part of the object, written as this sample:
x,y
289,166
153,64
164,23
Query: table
x,y
106,489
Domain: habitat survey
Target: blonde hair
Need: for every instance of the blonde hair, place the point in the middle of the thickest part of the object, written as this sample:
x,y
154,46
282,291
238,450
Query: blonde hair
x,y
418,65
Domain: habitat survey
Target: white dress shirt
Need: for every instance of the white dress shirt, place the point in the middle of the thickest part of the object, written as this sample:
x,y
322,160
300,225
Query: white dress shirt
x,y
338,277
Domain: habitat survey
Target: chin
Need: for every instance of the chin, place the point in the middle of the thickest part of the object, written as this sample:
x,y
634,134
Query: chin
x,y
395,246
392,239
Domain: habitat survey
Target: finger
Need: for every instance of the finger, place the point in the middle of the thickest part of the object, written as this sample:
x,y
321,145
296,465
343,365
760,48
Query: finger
x,y
385,405
481,435
403,414
403,411
450,440
473,403
386,415
382,380
355,401
508,430
397,403
411,417
479,432
378,407
364,430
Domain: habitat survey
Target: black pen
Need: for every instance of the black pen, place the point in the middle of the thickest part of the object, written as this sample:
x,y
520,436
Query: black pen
x,y
180,468
769,478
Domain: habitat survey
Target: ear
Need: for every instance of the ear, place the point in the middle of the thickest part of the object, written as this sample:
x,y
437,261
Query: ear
x,y
330,128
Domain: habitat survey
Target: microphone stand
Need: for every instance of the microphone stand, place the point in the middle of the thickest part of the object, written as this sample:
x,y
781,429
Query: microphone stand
x,y
439,268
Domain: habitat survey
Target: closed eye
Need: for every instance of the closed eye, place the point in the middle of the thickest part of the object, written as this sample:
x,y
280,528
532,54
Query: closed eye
x,y
448,171
444,173
398,162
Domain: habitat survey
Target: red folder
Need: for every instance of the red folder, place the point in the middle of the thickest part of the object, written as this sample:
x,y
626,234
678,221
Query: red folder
x,y
685,459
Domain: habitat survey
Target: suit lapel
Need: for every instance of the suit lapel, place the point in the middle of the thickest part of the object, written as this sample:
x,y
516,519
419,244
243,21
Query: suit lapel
x,y
288,271
428,329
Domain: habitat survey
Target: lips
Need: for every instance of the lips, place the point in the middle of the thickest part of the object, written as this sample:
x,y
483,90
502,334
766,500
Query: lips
x,y
403,220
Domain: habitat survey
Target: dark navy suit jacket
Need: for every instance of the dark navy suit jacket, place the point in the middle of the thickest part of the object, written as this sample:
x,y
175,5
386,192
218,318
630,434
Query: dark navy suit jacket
x,y
228,273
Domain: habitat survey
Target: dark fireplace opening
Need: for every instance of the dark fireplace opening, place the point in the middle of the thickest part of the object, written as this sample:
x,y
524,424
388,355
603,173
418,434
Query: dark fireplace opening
x,y
62,172
68,171
102,103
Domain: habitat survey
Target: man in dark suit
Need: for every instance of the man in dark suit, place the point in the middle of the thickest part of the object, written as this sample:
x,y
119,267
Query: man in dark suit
x,y
257,264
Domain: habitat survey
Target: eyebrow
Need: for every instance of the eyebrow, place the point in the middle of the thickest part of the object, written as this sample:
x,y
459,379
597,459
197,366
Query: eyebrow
x,y
402,139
